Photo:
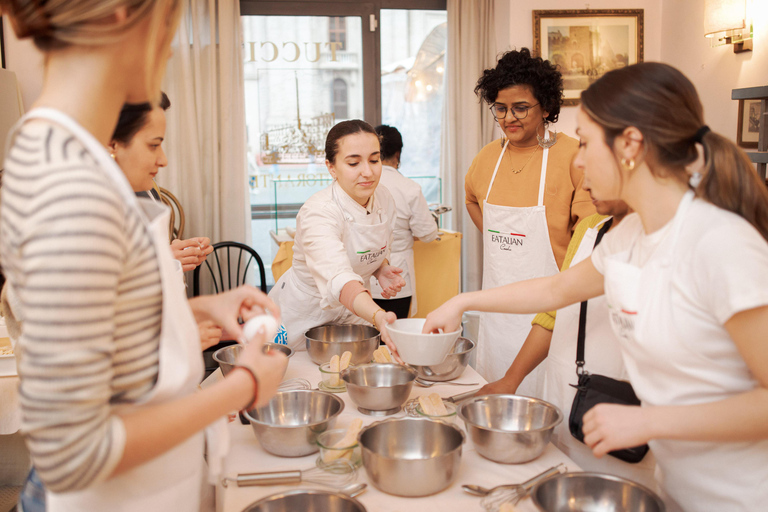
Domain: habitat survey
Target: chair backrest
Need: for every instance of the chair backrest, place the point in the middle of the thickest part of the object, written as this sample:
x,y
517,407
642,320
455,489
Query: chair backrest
x,y
228,267
176,228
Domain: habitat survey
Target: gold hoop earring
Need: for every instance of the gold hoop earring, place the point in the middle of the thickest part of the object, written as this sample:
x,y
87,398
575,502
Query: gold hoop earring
x,y
629,164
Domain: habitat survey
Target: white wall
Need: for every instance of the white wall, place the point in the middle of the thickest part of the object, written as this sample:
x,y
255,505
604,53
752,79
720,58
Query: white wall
x,y
714,71
521,33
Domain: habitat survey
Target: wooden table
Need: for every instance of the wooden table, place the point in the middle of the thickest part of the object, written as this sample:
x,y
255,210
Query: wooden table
x,y
247,456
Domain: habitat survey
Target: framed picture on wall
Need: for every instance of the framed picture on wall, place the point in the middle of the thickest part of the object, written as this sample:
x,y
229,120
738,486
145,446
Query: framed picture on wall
x,y
748,127
587,43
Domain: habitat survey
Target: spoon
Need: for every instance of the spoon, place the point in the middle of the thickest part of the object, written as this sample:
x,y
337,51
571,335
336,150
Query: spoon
x,y
477,490
353,490
428,383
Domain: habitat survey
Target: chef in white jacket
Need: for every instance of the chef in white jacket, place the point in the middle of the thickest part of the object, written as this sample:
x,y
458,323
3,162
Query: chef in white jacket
x,y
344,236
414,220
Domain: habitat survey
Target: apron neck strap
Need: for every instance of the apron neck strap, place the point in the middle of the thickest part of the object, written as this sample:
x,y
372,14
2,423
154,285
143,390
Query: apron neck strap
x,y
542,178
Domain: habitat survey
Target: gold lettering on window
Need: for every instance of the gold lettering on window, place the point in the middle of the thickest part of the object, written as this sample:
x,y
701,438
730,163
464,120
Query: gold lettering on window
x,y
274,50
294,59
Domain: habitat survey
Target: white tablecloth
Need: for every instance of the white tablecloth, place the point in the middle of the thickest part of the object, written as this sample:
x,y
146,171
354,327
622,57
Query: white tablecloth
x,y
247,456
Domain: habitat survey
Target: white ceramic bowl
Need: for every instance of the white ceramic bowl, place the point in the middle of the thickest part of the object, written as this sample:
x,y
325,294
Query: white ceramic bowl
x,y
417,348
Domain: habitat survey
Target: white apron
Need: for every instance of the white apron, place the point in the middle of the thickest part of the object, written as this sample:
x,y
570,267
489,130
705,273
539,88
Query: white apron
x,y
516,247
403,260
172,480
694,476
299,302
602,356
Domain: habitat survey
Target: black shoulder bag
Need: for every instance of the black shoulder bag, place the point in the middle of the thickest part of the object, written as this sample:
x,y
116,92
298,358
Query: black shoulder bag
x,y
595,389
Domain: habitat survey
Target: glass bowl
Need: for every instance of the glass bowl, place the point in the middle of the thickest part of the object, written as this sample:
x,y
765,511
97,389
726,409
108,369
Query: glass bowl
x,y
450,417
330,454
331,381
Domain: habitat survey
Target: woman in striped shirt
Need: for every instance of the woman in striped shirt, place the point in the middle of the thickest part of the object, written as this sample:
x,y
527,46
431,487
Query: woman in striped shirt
x,y
109,353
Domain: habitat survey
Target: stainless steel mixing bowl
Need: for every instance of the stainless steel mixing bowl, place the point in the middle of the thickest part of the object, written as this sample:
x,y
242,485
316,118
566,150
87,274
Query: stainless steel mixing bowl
x,y
596,492
411,456
379,387
289,424
452,366
326,341
227,356
510,429
306,500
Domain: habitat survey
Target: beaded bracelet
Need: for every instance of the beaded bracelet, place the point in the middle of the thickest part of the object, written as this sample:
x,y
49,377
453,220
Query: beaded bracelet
x,y
255,386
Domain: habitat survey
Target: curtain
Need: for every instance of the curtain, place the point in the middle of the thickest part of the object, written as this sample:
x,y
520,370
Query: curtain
x,y
467,123
205,137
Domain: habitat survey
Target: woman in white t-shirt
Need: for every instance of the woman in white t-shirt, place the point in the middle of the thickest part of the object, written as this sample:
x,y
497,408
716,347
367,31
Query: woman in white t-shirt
x,y
686,279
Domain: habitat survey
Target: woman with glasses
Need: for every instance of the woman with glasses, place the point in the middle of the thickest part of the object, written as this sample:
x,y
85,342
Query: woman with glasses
x,y
523,194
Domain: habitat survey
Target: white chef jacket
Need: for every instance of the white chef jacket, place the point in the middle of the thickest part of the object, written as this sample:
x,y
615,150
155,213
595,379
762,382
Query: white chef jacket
x,y
320,258
719,267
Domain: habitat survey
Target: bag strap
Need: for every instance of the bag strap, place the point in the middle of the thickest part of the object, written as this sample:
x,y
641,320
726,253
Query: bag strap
x,y
583,312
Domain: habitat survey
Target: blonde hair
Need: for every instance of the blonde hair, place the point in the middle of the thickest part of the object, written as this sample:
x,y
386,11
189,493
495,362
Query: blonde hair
x,y
55,24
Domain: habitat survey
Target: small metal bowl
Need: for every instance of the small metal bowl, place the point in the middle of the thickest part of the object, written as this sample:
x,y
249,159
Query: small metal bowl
x,y
452,366
289,424
572,492
379,389
291,501
411,456
330,340
510,429
227,356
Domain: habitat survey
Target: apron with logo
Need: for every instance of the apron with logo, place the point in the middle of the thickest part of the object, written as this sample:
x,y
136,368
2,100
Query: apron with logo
x,y
300,303
643,301
516,247
172,480
603,356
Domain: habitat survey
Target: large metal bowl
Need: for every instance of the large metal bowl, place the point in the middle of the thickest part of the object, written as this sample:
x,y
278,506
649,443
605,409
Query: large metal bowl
x,y
452,366
510,429
227,356
306,500
289,424
326,341
379,387
411,456
596,492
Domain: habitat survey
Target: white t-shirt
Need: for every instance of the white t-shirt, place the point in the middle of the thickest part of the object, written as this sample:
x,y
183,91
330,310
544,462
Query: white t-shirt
x,y
682,353
413,216
320,257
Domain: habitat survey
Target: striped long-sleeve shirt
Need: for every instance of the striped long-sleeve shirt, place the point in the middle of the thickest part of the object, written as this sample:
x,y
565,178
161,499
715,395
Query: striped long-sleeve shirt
x,y
88,281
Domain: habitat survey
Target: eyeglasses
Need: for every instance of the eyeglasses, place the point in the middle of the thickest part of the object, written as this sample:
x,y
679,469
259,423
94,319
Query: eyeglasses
x,y
518,111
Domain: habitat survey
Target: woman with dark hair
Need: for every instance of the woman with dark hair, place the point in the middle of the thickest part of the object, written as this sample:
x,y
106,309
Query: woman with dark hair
x,y
686,286
343,238
413,220
524,195
136,146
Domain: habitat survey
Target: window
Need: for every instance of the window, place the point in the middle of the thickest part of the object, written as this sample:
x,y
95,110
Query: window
x,y
340,99
337,32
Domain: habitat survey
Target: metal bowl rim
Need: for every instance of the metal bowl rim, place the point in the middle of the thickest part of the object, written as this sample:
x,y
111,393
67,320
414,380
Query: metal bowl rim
x,y
215,355
604,476
484,398
345,372
303,425
272,497
290,354
390,420
378,335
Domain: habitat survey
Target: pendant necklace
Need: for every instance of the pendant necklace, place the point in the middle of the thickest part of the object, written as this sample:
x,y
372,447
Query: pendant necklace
x,y
518,171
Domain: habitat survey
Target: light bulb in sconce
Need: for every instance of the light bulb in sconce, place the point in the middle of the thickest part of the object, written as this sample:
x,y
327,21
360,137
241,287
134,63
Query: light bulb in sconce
x,y
728,22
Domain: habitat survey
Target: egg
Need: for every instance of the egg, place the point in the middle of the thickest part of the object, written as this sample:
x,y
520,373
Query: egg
x,y
252,327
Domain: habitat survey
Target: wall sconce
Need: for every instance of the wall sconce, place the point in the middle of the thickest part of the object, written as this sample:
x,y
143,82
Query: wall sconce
x,y
727,22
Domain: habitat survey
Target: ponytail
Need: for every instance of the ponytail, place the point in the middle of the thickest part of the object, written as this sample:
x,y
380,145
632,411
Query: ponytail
x,y
731,182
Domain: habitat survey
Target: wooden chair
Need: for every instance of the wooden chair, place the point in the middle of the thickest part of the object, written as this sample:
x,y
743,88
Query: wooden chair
x,y
177,214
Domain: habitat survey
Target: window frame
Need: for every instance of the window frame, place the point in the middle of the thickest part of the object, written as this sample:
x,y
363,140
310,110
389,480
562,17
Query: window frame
x,y
371,53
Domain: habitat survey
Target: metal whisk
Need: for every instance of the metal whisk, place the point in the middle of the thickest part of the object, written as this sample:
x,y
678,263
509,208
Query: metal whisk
x,y
335,475
514,493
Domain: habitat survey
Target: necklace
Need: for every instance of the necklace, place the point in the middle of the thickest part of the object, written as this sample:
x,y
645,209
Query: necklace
x,y
518,171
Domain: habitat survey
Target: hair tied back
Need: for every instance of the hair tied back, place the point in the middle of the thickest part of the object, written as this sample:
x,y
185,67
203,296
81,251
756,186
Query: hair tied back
x,y
700,133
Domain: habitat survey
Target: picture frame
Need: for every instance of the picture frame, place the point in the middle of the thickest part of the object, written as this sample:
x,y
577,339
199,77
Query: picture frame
x,y
586,43
748,126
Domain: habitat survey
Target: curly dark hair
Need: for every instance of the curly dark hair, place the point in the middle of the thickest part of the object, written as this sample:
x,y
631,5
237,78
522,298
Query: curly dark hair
x,y
520,68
